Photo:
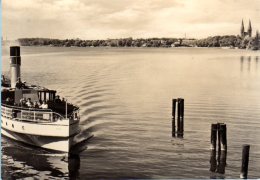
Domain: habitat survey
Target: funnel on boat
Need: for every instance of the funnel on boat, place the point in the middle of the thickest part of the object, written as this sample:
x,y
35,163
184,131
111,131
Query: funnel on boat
x,y
15,64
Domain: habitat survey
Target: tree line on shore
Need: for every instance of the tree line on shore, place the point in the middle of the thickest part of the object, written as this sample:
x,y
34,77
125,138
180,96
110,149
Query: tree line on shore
x,y
124,42
215,41
229,41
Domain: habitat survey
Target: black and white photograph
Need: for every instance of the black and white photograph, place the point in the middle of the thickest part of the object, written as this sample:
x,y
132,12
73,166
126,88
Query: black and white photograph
x,y
130,89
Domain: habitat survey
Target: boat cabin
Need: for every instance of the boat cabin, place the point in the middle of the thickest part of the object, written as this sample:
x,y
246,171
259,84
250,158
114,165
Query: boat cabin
x,y
14,97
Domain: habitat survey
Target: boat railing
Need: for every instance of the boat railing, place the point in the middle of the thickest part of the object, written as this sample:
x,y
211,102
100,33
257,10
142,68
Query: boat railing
x,y
32,114
25,108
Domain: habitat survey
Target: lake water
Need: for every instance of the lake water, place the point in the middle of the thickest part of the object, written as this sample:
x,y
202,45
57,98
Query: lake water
x,y
125,99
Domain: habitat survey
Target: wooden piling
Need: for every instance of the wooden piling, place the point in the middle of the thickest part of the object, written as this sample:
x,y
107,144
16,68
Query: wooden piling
x,y
222,157
180,117
245,160
213,161
223,137
213,139
173,116
218,137
219,144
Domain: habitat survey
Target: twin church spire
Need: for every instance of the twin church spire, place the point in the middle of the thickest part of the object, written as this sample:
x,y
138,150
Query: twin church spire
x,y
249,30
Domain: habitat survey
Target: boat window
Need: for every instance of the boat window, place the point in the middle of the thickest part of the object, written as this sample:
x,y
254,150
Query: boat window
x,y
42,95
47,96
50,96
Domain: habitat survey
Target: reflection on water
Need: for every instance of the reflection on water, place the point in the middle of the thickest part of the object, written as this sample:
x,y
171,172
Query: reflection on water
x,y
125,94
74,166
248,63
213,161
25,161
241,63
222,157
217,163
256,62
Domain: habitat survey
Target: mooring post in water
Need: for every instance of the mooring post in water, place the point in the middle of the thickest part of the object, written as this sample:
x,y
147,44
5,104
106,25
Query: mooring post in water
x,y
245,159
213,161
213,139
173,116
180,117
218,142
218,137
222,157
223,136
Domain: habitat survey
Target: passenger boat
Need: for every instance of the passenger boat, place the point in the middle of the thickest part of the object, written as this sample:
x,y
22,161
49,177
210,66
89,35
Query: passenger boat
x,y
53,127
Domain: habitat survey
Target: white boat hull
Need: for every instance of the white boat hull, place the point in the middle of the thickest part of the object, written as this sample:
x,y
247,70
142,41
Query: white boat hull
x,y
61,138
62,144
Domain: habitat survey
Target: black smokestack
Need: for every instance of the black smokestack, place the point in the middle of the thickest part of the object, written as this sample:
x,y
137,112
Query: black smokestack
x,y
15,64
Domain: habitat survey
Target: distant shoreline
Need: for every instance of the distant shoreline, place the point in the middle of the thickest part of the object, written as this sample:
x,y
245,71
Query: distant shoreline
x,y
225,42
132,47
125,47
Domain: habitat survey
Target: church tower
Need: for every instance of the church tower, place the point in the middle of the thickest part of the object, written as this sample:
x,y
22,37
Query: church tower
x,y
249,31
242,30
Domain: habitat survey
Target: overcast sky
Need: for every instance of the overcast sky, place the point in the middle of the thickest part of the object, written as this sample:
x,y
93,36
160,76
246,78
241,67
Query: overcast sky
x,y
102,19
